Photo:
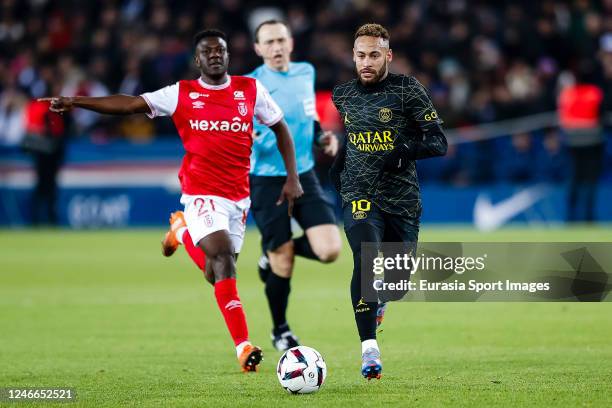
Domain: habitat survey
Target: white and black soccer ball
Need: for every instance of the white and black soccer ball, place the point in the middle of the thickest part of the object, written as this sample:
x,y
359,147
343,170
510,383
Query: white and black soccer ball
x,y
301,370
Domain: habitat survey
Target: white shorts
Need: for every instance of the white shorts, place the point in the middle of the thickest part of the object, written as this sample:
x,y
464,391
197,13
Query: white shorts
x,y
205,214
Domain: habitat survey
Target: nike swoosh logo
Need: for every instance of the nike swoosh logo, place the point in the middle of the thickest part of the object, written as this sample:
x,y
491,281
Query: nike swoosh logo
x,y
488,216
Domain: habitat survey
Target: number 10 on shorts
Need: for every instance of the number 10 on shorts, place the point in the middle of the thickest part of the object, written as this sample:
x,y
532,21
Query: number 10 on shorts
x,y
360,205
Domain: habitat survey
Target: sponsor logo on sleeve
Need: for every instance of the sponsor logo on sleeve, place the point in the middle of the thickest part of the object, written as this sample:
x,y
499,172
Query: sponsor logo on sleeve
x,y
431,116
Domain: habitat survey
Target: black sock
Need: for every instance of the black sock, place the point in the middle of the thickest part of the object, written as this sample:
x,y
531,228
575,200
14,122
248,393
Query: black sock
x,y
277,331
302,247
277,292
264,272
365,312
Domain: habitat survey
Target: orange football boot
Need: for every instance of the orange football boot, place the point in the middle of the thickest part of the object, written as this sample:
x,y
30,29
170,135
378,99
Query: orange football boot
x,y
170,242
250,358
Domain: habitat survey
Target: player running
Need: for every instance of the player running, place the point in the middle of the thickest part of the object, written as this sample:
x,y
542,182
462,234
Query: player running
x,y
292,87
390,122
291,84
214,117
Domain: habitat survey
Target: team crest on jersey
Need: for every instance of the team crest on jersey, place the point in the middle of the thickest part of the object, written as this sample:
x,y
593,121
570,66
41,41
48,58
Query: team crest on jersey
x,y
239,95
385,115
242,108
197,105
208,220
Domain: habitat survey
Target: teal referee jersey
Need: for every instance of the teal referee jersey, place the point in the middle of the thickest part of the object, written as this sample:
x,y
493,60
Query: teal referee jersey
x,y
294,92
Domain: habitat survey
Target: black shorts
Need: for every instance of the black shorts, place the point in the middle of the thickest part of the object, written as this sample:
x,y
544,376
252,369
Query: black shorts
x,y
382,226
364,222
312,209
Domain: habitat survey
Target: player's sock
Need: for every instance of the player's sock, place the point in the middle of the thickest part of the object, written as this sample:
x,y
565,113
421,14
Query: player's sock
x,y
278,330
370,343
301,247
179,234
263,267
240,347
195,253
231,308
277,292
365,312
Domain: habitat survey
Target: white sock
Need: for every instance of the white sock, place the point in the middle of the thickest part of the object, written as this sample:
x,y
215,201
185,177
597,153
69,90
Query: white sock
x,y
240,347
179,234
366,344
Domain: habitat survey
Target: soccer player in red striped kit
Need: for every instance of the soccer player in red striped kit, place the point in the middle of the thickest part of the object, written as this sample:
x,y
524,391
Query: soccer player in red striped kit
x,y
214,117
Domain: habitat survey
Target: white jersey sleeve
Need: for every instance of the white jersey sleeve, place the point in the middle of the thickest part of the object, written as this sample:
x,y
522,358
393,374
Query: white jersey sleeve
x,y
266,110
162,102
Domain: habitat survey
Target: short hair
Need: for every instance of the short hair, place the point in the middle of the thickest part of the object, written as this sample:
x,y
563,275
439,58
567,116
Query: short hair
x,y
372,30
209,32
270,22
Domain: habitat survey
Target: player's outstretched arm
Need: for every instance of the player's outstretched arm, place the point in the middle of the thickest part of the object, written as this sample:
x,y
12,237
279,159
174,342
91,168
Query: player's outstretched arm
x,y
292,189
113,104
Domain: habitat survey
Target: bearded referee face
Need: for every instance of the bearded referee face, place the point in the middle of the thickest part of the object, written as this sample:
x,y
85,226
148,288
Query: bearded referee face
x,y
372,56
211,57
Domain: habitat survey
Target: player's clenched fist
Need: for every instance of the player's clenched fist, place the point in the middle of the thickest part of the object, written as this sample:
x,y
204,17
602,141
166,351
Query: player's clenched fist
x,y
329,143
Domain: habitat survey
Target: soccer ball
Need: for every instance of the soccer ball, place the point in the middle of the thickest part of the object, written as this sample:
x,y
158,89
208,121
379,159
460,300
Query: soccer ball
x,y
301,370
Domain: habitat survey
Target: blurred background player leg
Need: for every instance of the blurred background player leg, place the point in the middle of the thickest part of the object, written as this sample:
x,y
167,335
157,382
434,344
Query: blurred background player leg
x,y
320,242
292,87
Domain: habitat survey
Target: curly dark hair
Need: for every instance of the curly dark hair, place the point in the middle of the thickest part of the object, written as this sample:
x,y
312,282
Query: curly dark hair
x,y
372,30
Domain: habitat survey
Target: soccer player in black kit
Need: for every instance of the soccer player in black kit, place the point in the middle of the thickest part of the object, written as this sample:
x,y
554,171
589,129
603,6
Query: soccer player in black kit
x,y
390,123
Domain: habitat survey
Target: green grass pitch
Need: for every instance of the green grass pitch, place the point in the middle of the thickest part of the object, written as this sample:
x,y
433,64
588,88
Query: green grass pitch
x,y
105,313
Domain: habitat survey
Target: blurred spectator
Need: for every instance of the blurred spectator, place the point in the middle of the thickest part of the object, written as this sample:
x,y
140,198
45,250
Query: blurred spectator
x,y
552,164
12,104
482,61
580,118
606,62
45,139
516,164
510,51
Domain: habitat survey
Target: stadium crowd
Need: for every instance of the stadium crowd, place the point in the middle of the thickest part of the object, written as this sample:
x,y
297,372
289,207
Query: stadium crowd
x,y
482,61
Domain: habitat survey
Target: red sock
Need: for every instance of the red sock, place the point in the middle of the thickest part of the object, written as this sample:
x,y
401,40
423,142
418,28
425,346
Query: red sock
x,y
195,253
231,308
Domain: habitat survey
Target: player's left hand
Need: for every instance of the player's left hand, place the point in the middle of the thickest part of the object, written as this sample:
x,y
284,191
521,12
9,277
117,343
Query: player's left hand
x,y
329,143
292,190
399,159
